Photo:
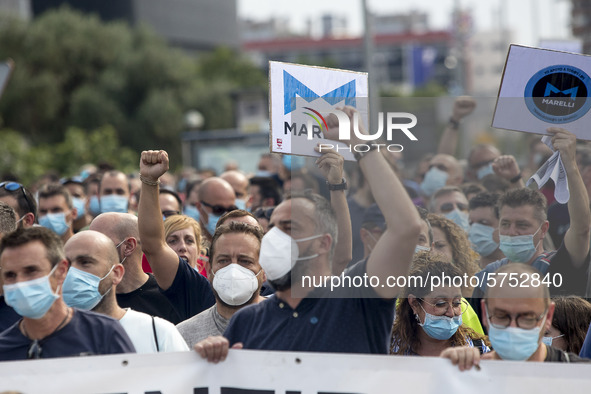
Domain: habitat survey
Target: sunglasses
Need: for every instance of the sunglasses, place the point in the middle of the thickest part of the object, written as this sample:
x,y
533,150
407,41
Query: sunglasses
x,y
263,213
449,206
13,186
219,210
166,214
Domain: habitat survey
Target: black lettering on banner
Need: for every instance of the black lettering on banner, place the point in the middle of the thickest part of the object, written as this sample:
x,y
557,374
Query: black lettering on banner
x,y
293,392
201,390
237,390
153,392
335,392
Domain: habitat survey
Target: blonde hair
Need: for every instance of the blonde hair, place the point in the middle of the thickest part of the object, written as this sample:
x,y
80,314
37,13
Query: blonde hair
x,y
175,223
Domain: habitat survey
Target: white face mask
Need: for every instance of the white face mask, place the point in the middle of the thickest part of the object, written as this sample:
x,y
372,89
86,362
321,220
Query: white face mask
x,y
235,284
280,252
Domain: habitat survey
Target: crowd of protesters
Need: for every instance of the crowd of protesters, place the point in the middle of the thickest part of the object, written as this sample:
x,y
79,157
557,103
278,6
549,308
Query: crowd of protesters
x,y
105,262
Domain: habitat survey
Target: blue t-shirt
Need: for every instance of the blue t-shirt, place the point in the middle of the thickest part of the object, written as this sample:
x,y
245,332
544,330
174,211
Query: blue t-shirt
x,y
343,325
88,333
190,292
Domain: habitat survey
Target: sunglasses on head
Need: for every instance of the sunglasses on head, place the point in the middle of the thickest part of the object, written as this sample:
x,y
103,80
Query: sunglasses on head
x,y
14,186
219,210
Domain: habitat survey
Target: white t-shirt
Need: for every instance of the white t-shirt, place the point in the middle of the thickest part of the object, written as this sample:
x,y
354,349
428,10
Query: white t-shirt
x,y
139,328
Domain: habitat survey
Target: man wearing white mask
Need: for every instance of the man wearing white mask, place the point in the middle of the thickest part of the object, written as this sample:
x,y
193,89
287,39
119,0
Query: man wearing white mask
x,y
34,268
301,243
56,210
517,318
236,277
91,284
523,225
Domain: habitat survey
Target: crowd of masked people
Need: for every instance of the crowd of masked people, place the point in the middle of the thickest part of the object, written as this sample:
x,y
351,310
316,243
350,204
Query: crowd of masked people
x,y
105,262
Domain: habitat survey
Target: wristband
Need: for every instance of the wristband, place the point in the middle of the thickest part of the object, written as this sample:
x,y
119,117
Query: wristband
x,y
149,182
360,155
338,186
516,179
454,123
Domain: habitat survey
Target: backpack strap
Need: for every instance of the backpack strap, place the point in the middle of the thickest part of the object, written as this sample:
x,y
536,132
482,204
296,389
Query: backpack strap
x,y
155,335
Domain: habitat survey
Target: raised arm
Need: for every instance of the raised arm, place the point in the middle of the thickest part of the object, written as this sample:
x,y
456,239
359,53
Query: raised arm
x,y
463,106
507,168
393,252
331,165
576,238
163,260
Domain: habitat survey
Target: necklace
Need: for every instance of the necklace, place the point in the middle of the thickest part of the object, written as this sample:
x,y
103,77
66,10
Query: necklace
x,y
63,323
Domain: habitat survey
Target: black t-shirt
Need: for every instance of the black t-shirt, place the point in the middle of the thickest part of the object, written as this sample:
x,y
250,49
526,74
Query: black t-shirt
x,y
149,299
88,333
190,292
8,316
340,325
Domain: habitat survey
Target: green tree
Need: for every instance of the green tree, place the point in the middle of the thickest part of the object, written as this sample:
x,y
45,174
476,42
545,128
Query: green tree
x,y
75,74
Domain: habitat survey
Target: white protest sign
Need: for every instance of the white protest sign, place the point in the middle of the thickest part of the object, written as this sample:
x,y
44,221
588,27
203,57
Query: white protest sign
x,y
301,98
269,372
543,88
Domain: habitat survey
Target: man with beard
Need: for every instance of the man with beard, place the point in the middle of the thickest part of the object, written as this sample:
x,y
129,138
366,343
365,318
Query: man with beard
x,y
236,277
91,284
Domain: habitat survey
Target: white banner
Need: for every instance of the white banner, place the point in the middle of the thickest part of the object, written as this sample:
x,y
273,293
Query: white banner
x,y
286,372
543,88
302,96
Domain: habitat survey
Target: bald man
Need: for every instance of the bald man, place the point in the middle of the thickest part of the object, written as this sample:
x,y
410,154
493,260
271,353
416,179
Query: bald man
x,y
94,255
137,290
239,183
480,160
216,197
443,170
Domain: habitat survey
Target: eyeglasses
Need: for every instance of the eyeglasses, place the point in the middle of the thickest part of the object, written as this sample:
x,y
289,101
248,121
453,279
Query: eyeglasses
x,y
441,307
166,214
449,206
35,350
219,210
527,320
13,186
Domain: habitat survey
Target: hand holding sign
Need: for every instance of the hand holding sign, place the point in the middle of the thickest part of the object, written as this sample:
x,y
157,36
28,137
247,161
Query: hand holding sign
x,y
331,165
566,143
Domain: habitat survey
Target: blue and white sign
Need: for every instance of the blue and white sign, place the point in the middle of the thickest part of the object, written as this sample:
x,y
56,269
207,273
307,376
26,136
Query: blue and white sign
x,y
543,88
301,97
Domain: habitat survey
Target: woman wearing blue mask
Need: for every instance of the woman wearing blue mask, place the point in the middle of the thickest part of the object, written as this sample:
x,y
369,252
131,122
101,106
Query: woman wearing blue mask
x,y
429,319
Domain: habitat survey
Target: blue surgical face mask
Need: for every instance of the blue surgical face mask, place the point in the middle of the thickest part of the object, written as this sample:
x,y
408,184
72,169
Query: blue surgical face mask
x,y
95,206
263,173
481,237
460,218
519,248
81,289
484,171
192,212
421,248
440,327
114,203
514,343
240,203
212,221
56,222
32,298
548,340
79,204
434,180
